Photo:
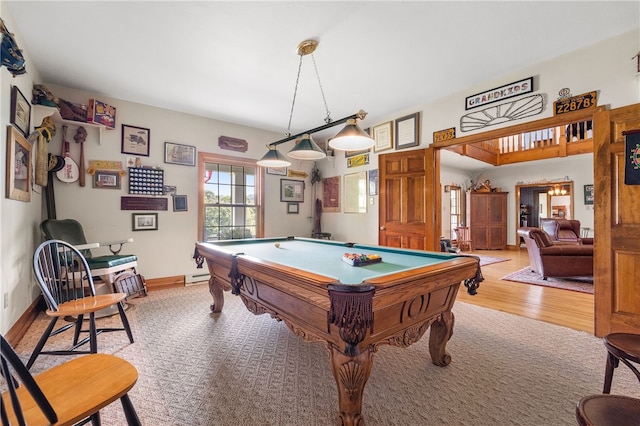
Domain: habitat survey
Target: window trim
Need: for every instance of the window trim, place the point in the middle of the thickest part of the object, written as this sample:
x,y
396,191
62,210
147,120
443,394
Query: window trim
x,y
206,157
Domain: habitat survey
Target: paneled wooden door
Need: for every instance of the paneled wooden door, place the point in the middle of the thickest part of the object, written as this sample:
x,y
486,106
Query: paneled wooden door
x,y
410,199
617,225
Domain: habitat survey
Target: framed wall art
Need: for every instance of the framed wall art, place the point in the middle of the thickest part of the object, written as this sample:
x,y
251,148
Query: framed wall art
x,y
408,131
355,192
180,203
588,194
331,194
280,171
106,179
373,182
292,190
18,178
293,208
383,135
175,153
144,221
135,140
20,111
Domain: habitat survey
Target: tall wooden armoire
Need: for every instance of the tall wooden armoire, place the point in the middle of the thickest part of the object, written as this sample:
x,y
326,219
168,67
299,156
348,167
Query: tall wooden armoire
x,y
487,220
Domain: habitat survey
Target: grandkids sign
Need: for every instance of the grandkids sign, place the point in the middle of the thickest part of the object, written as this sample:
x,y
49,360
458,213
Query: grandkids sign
x,y
499,93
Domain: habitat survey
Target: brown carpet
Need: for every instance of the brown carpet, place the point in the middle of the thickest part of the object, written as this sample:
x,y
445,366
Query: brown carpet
x,y
525,275
235,368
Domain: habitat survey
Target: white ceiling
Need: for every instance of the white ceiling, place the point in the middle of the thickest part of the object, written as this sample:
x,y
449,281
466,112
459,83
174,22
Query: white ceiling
x,y
237,61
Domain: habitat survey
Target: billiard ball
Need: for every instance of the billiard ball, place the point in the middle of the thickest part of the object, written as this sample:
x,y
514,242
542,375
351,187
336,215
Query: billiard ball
x,y
277,245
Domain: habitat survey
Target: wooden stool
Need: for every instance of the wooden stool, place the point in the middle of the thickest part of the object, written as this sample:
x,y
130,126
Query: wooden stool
x,y
608,410
623,347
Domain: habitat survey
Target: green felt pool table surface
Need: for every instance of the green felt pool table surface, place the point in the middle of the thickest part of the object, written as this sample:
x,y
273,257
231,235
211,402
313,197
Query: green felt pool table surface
x,y
324,257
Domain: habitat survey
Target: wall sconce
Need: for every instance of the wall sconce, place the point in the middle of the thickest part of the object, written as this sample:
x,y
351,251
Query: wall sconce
x,y
351,138
557,190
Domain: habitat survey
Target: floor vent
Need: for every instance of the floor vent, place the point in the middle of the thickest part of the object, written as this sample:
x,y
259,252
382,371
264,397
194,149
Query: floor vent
x,y
200,278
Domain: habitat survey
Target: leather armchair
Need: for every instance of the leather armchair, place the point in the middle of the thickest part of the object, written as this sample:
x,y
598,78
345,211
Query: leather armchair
x,y
564,231
556,260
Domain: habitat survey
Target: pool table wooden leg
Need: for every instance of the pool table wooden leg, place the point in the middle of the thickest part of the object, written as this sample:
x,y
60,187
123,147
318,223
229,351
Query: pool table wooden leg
x,y
441,331
351,374
217,292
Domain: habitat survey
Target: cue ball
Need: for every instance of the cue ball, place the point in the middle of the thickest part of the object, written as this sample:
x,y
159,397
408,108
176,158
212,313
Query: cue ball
x,y
277,245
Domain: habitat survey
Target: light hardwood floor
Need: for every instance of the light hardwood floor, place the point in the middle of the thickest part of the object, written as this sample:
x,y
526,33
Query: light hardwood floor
x,y
562,307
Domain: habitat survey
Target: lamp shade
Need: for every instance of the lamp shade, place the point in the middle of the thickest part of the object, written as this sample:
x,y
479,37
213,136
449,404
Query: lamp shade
x,y
273,158
306,149
351,138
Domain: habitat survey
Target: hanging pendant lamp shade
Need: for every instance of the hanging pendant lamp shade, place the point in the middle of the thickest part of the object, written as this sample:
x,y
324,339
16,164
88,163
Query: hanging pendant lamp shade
x,y
273,158
306,149
351,138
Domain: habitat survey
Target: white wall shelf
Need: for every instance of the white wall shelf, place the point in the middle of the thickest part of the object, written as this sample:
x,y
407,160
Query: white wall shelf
x,y
42,111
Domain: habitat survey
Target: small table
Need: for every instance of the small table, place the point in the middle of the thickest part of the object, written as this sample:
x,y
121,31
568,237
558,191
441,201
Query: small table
x,y
351,310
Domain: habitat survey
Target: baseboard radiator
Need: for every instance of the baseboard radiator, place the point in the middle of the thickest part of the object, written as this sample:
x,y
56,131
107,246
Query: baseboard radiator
x,y
199,278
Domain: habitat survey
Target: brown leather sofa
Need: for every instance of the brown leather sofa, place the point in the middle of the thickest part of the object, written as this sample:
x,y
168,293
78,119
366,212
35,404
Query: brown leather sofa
x,y
556,260
564,231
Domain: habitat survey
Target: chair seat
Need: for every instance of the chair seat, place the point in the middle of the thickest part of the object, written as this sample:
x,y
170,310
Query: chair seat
x,y
608,410
109,261
625,345
86,305
77,389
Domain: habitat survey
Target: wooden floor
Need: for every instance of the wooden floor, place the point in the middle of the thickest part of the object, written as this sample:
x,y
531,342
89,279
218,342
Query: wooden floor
x,y
561,307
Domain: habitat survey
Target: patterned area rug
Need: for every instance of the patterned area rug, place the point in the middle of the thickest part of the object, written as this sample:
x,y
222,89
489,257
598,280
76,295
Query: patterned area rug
x,y
488,260
525,275
234,368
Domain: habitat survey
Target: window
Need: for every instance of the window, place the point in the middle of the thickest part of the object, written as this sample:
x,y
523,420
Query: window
x,y
455,204
230,201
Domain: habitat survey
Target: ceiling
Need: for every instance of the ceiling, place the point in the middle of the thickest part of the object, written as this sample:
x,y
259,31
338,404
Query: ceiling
x,y
237,61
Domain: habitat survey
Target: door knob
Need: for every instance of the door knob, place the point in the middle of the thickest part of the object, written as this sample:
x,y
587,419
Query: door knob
x,y
382,228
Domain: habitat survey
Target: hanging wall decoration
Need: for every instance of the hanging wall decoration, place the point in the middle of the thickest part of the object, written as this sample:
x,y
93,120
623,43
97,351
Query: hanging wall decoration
x,y
502,113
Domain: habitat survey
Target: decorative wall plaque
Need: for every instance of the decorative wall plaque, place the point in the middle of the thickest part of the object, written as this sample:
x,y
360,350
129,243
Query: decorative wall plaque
x,y
143,203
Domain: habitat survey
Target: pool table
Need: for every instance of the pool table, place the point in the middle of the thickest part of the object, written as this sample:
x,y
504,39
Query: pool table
x,y
352,310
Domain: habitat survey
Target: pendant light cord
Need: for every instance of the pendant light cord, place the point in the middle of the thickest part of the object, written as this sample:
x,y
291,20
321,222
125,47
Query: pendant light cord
x,y
295,92
324,99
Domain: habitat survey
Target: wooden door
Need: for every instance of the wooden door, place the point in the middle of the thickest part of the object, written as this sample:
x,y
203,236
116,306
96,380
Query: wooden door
x,y
497,230
409,200
479,222
617,225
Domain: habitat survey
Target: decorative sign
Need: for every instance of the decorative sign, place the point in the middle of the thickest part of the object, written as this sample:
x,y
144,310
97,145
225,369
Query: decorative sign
x,y
105,165
500,93
298,174
232,144
502,113
575,103
444,135
358,160
632,154
143,203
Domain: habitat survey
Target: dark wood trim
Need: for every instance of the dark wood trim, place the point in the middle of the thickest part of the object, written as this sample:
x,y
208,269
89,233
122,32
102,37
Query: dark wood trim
x,y
19,329
164,283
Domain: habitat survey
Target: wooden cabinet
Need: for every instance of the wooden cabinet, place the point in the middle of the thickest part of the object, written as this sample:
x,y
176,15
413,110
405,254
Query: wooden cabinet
x,y
487,219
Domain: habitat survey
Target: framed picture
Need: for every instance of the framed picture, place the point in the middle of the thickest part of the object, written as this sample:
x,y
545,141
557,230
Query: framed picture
x,y
175,153
18,176
281,171
373,182
292,190
383,135
355,193
20,111
144,221
135,140
293,208
106,179
588,194
408,131
349,154
331,194
180,203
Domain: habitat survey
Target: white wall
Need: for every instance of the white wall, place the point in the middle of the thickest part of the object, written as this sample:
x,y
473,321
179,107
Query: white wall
x,y
605,67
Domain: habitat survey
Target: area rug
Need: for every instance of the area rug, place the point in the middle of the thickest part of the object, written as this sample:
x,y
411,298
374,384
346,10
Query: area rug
x,y
525,275
488,260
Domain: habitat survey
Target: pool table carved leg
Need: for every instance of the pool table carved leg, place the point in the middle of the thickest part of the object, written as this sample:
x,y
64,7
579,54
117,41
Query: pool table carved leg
x,y
441,332
351,374
216,290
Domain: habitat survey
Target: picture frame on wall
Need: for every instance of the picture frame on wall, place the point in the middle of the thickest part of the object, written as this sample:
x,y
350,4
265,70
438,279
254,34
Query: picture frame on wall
x,y
292,190
20,111
135,140
280,171
331,194
588,194
176,153
383,135
180,203
106,179
144,221
408,131
18,170
293,208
